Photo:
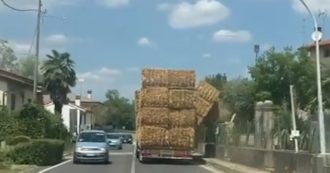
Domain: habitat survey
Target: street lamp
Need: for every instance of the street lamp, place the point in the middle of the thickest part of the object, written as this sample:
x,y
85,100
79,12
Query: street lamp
x,y
316,36
256,51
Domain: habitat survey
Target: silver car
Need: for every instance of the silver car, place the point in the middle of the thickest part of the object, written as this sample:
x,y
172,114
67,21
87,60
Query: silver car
x,y
115,141
91,146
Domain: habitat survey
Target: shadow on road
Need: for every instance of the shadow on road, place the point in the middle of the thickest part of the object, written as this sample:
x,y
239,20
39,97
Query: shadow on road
x,y
93,163
175,162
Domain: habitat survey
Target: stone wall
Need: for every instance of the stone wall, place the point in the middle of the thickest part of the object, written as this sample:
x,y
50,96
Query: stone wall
x,y
284,161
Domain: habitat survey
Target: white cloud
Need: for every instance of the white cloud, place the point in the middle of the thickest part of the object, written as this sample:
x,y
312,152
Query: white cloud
x,y
206,55
201,13
145,42
115,3
314,5
89,76
57,39
102,75
228,36
110,72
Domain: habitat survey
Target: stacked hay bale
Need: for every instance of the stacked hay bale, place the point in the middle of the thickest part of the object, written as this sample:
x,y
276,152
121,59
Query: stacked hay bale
x,y
166,116
207,95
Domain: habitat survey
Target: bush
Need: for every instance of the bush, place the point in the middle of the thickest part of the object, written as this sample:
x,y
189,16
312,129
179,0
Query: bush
x,y
39,152
8,125
4,163
18,139
55,128
36,122
33,121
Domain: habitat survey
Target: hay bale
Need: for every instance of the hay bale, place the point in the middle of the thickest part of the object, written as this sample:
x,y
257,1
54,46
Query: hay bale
x,y
181,99
152,136
181,137
153,117
181,79
168,78
154,78
154,97
182,118
202,107
207,92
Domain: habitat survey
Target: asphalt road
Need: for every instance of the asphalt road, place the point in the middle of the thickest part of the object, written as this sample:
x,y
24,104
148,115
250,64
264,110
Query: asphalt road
x,y
122,161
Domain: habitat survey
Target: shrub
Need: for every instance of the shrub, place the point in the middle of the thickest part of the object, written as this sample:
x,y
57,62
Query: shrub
x,y
8,125
39,152
33,121
4,162
18,139
55,128
36,122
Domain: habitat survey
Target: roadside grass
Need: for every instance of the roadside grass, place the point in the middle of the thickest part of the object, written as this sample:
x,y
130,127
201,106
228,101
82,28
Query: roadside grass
x,y
18,169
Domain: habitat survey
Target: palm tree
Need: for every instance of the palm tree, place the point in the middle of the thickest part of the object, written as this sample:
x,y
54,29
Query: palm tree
x,y
59,76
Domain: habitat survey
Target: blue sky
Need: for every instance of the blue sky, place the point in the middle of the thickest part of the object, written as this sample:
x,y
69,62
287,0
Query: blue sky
x,y
112,40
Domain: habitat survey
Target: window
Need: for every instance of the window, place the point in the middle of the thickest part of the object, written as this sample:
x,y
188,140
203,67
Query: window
x,y
13,102
327,53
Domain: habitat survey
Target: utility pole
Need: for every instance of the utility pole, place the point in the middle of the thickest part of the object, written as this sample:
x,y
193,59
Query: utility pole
x,y
36,65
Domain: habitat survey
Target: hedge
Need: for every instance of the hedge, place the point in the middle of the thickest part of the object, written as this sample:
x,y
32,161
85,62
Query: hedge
x,y
39,152
9,125
18,139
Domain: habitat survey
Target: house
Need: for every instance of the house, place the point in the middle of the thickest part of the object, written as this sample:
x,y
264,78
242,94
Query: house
x,y
90,105
324,50
15,90
75,117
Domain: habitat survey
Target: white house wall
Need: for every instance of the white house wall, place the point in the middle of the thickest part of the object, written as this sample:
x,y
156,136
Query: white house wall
x,y
65,113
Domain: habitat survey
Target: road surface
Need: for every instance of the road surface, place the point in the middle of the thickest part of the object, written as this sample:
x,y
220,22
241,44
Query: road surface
x,y
124,162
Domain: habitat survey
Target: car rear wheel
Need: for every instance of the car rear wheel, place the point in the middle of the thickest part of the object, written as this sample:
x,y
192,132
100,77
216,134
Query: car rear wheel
x,y
75,161
141,159
106,160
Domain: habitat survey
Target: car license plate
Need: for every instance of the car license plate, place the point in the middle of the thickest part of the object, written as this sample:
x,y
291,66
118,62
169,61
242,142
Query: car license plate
x,y
167,153
90,155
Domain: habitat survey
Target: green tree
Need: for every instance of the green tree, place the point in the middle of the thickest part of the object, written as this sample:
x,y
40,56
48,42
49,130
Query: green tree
x,y
119,110
239,96
27,66
8,59
59,76
217,80
275,71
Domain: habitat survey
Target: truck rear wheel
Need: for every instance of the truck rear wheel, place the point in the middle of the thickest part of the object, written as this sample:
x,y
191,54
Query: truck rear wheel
x,y
141,159
137,153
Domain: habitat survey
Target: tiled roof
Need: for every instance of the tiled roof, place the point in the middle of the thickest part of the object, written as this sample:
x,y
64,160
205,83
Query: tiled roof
x,y
324,42
15,77
71,97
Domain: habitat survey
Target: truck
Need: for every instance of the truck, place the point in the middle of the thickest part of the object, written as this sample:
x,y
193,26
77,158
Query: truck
x,y
169,109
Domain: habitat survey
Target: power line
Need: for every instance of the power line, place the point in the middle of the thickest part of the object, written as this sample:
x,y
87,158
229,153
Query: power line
x,y
17,9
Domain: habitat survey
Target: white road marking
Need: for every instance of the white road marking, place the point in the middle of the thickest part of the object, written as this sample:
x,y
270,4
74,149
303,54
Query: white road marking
x,y
133,159
211,169
55,166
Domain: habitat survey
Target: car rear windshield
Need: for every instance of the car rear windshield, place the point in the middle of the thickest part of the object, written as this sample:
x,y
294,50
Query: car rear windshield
x,y
91,137
127,136
113,136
